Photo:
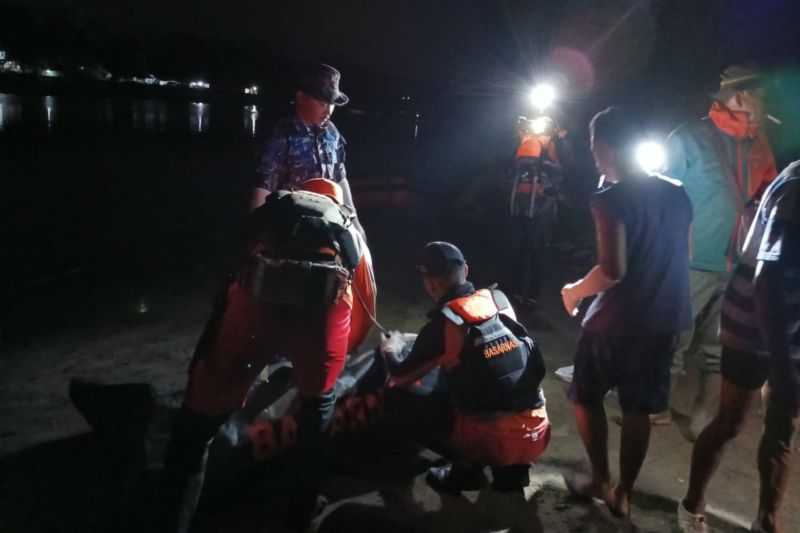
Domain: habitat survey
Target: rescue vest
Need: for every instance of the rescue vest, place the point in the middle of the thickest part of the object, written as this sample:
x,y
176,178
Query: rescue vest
x,y
500,366
304,225
536,146
533,178
303,249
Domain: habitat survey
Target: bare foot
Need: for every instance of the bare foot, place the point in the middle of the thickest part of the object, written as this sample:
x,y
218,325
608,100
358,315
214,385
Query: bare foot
x,y
584,487
619,502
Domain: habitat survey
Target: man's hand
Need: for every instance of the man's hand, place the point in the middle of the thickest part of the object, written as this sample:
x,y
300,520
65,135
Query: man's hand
x,y
571,299
258,197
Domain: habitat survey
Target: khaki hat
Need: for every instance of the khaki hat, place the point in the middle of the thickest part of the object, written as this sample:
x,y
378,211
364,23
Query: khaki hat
x,y
738,78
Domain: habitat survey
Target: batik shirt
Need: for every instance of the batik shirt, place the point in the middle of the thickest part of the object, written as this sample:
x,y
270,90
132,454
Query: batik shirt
x,y
296,153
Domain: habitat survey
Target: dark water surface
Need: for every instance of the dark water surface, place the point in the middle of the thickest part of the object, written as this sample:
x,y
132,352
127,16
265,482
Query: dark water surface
x,y
128,194
109,203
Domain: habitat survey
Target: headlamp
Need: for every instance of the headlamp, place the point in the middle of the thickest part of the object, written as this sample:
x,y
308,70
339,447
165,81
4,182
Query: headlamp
x,y
540,125
542,96
651,156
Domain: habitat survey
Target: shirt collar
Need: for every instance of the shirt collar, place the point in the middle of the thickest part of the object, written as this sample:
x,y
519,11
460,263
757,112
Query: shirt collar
x,y
459,291
328,130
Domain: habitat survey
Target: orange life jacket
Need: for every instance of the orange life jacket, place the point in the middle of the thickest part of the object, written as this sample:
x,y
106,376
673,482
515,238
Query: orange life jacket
x,y
500,367
536,145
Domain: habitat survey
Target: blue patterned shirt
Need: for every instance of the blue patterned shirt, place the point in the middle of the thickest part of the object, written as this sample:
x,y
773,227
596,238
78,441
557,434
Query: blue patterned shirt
x,y
296,153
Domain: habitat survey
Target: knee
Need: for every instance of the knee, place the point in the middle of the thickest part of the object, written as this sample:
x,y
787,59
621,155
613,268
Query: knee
x,y
728,425
781,427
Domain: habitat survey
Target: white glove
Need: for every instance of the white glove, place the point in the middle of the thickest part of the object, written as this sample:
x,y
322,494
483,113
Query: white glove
x,y
392,345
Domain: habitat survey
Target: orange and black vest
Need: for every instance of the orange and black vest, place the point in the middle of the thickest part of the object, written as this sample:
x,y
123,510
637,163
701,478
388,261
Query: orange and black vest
x,y
531,171
535,146
500,367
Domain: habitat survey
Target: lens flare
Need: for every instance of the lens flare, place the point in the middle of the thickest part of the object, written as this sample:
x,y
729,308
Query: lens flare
x,y
651,156
542,96
540,125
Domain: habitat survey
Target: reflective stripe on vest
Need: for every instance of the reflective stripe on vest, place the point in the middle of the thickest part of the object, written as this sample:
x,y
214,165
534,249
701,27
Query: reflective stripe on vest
x,y
473,309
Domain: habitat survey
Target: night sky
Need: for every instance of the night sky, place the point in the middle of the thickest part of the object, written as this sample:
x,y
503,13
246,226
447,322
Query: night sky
x,y
661,56
480,45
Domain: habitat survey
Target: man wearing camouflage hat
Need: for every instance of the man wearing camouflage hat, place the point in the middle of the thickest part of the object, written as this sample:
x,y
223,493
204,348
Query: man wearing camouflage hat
x,y
307,145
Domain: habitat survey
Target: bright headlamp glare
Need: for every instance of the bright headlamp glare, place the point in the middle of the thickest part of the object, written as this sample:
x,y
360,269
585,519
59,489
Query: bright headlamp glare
x,y
650,156
542,96
540,125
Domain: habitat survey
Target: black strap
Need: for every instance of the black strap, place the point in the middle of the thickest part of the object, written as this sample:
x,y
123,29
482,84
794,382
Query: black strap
x,y
500,299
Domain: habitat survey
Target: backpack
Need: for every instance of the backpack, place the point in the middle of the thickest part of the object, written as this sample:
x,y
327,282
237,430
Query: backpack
x,y
306,251
500,367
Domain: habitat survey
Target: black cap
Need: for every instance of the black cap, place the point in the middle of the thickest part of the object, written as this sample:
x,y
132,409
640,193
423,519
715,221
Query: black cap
x,y
321,81
439,258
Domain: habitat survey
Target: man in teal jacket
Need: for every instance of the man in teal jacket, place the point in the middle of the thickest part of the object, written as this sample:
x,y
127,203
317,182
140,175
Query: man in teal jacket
x,y
724,162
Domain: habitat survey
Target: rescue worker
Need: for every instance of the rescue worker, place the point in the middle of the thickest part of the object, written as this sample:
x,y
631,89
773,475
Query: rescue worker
x,y
291,297
491,410
307,145
533,205
724,162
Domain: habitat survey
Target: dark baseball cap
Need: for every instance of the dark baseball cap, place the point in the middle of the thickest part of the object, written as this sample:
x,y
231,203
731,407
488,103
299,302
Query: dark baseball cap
x,y
439,258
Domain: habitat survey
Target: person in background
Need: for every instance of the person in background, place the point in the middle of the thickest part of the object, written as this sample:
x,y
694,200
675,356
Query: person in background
x,y
724,161
631,330
533,206
760,343
307,145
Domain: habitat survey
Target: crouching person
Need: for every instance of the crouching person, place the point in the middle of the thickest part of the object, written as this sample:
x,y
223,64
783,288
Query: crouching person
x,y
291,297
488,409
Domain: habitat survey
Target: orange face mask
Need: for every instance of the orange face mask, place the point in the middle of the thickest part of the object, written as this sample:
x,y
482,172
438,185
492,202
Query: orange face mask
x,y
761,161
734,123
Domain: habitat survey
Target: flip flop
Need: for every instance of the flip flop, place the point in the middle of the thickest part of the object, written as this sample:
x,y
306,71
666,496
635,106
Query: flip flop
x,y
580,487
658,419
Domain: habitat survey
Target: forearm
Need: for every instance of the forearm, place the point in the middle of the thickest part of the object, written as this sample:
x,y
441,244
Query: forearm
x,y
348,201
425,355
348,195
414,366
257,198
593,283
406,374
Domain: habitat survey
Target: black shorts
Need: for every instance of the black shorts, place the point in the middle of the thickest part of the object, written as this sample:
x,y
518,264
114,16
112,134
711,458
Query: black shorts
x,y
746,369
638,366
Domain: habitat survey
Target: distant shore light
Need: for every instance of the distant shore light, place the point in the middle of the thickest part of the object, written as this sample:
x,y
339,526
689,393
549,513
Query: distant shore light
x,y
49,73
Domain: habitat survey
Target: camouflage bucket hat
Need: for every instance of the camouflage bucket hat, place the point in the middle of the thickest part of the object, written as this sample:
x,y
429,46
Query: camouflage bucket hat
x,y
738,78
322,82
